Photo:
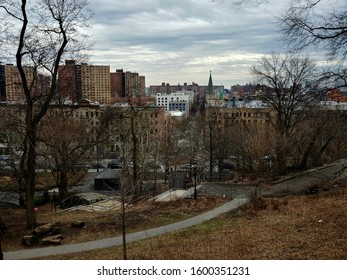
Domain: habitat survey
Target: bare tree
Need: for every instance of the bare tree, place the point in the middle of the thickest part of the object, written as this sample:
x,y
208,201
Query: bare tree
x,y
321,129
127,128
167,152
190,136
284,79
253,146
216,138
43,33
126,192
211,135
63,150
130,129
319,25
316,23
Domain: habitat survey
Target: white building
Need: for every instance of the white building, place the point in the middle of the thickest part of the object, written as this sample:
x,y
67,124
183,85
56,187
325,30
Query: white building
x,y
180,101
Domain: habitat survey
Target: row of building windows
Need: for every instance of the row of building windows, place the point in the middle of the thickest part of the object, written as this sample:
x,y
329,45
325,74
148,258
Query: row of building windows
x,y
174,106
244,114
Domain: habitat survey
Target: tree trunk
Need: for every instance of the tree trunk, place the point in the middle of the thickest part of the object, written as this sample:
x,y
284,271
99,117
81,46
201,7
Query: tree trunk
x,y
220,165
138,190
63,184
304,161
125,257
322,150
29,153
281,157
30,178
30,212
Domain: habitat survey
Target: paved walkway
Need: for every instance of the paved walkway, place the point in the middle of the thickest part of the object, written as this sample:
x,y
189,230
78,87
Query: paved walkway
x,y
301,182
293,185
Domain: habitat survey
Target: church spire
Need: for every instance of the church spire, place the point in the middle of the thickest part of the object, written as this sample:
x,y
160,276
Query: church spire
x,y
210,85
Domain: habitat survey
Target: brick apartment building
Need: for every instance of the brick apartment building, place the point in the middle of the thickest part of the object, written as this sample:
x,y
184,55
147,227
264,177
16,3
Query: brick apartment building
x,y
338,95
96,83
77,81
127,84
11,88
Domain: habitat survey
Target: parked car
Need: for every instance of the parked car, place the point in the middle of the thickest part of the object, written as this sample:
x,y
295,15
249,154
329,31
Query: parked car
x,y
81,199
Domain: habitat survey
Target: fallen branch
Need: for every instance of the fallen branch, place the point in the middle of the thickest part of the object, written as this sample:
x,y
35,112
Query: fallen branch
x,y
44,229
55,240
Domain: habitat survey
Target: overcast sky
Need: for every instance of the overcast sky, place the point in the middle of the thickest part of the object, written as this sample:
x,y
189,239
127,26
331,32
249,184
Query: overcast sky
x,y
182,40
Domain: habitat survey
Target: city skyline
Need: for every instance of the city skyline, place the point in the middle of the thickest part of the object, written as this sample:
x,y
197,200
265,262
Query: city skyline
x,y
181,41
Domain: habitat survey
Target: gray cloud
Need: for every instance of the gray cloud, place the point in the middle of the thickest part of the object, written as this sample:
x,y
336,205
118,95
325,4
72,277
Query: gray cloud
x,y
180,41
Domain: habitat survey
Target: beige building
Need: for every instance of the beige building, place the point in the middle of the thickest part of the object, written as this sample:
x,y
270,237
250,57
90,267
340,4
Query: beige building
x,y
13,89
224,117
95,83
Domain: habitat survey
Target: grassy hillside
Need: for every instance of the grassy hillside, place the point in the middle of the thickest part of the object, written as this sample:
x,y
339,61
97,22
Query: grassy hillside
x,y
297,227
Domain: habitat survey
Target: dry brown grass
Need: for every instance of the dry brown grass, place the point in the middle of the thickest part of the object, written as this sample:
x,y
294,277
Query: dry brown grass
x,y
302,227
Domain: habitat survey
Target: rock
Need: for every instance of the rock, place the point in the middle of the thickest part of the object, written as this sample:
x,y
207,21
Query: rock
x,y
78,224
44,229
29,240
